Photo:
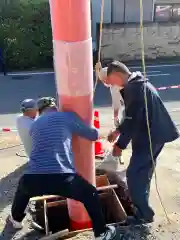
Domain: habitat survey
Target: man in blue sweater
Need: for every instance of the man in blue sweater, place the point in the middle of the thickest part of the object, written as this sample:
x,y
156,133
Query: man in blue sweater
x,y
51,167
134,128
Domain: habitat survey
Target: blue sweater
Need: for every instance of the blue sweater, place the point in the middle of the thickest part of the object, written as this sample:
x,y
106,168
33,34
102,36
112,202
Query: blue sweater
x,y
52,142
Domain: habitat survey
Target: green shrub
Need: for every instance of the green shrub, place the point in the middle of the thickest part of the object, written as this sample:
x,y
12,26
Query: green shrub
x,y
25,34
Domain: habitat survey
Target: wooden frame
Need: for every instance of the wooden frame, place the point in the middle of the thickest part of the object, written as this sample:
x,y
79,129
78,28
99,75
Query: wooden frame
x,y
103,186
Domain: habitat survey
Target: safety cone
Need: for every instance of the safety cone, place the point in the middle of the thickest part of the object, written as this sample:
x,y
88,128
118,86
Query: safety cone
x,y
99,152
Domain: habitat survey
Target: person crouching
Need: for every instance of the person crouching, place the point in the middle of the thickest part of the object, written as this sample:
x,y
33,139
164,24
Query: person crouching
x,y
51,162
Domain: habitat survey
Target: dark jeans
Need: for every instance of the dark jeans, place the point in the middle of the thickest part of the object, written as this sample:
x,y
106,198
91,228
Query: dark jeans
x,y
139,175
66,185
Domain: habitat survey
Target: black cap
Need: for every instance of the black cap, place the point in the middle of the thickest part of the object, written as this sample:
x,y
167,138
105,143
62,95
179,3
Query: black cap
x,y
46,102
28,104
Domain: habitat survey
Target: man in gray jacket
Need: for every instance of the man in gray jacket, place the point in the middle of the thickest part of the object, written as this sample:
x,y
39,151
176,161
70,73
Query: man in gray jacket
x,y
24,122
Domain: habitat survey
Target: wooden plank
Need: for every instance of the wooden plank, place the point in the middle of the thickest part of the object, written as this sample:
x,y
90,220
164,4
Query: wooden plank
x,y
119,208
74,233
105,188
102,180
46,223
45,197
57,203
103,185
63,202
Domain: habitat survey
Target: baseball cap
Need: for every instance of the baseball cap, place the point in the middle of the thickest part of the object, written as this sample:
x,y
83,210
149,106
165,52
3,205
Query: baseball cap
x,y
28,104
45,102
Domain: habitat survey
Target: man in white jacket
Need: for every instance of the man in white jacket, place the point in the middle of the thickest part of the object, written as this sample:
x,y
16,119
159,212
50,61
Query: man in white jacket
x,y
117,99
25,121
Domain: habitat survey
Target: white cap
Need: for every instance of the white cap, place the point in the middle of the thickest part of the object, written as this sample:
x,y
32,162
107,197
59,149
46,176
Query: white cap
x,y
102,74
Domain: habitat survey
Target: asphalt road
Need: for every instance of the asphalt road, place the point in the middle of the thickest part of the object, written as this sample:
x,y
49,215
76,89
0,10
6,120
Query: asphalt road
x,y
17,86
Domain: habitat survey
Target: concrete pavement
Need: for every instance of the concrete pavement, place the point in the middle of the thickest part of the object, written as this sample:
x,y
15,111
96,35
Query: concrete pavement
x,y
17,86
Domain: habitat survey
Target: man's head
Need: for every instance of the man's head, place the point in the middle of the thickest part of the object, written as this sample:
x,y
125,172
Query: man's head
x,y
46,104
29,108
117,74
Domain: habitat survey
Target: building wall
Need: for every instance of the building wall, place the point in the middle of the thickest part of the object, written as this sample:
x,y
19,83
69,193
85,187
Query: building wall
x,y
96,14
120,11
132,10
122,42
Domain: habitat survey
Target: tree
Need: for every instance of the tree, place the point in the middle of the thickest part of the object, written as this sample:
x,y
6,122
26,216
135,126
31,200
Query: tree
x,y
25,33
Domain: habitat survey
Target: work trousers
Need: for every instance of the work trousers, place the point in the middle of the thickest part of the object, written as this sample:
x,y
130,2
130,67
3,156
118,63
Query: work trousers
x,y
70,186
139,175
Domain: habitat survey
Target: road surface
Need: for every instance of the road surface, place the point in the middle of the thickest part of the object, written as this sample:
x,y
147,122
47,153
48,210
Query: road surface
x,y
18,86
15,88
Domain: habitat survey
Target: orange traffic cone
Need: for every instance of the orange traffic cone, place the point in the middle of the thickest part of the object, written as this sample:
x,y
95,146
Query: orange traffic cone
x,y
99,152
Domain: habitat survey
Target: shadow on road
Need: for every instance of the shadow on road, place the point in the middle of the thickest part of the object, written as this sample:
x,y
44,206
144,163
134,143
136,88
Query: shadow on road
x,y
8,186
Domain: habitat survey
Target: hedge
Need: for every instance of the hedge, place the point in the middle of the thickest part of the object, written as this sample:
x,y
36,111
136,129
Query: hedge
x,y
25,34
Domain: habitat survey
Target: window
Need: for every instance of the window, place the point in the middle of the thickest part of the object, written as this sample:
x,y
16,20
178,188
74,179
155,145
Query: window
x,y
165,13
176,12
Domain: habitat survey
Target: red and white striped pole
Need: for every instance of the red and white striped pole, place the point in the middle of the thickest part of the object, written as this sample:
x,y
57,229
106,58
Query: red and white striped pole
x,y
71,27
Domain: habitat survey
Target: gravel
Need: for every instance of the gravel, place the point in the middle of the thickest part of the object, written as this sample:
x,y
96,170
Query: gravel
x,y
13,166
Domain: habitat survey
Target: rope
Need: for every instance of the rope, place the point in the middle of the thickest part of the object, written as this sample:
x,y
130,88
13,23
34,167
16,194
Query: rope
x,y
100,40
145,92
146,108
